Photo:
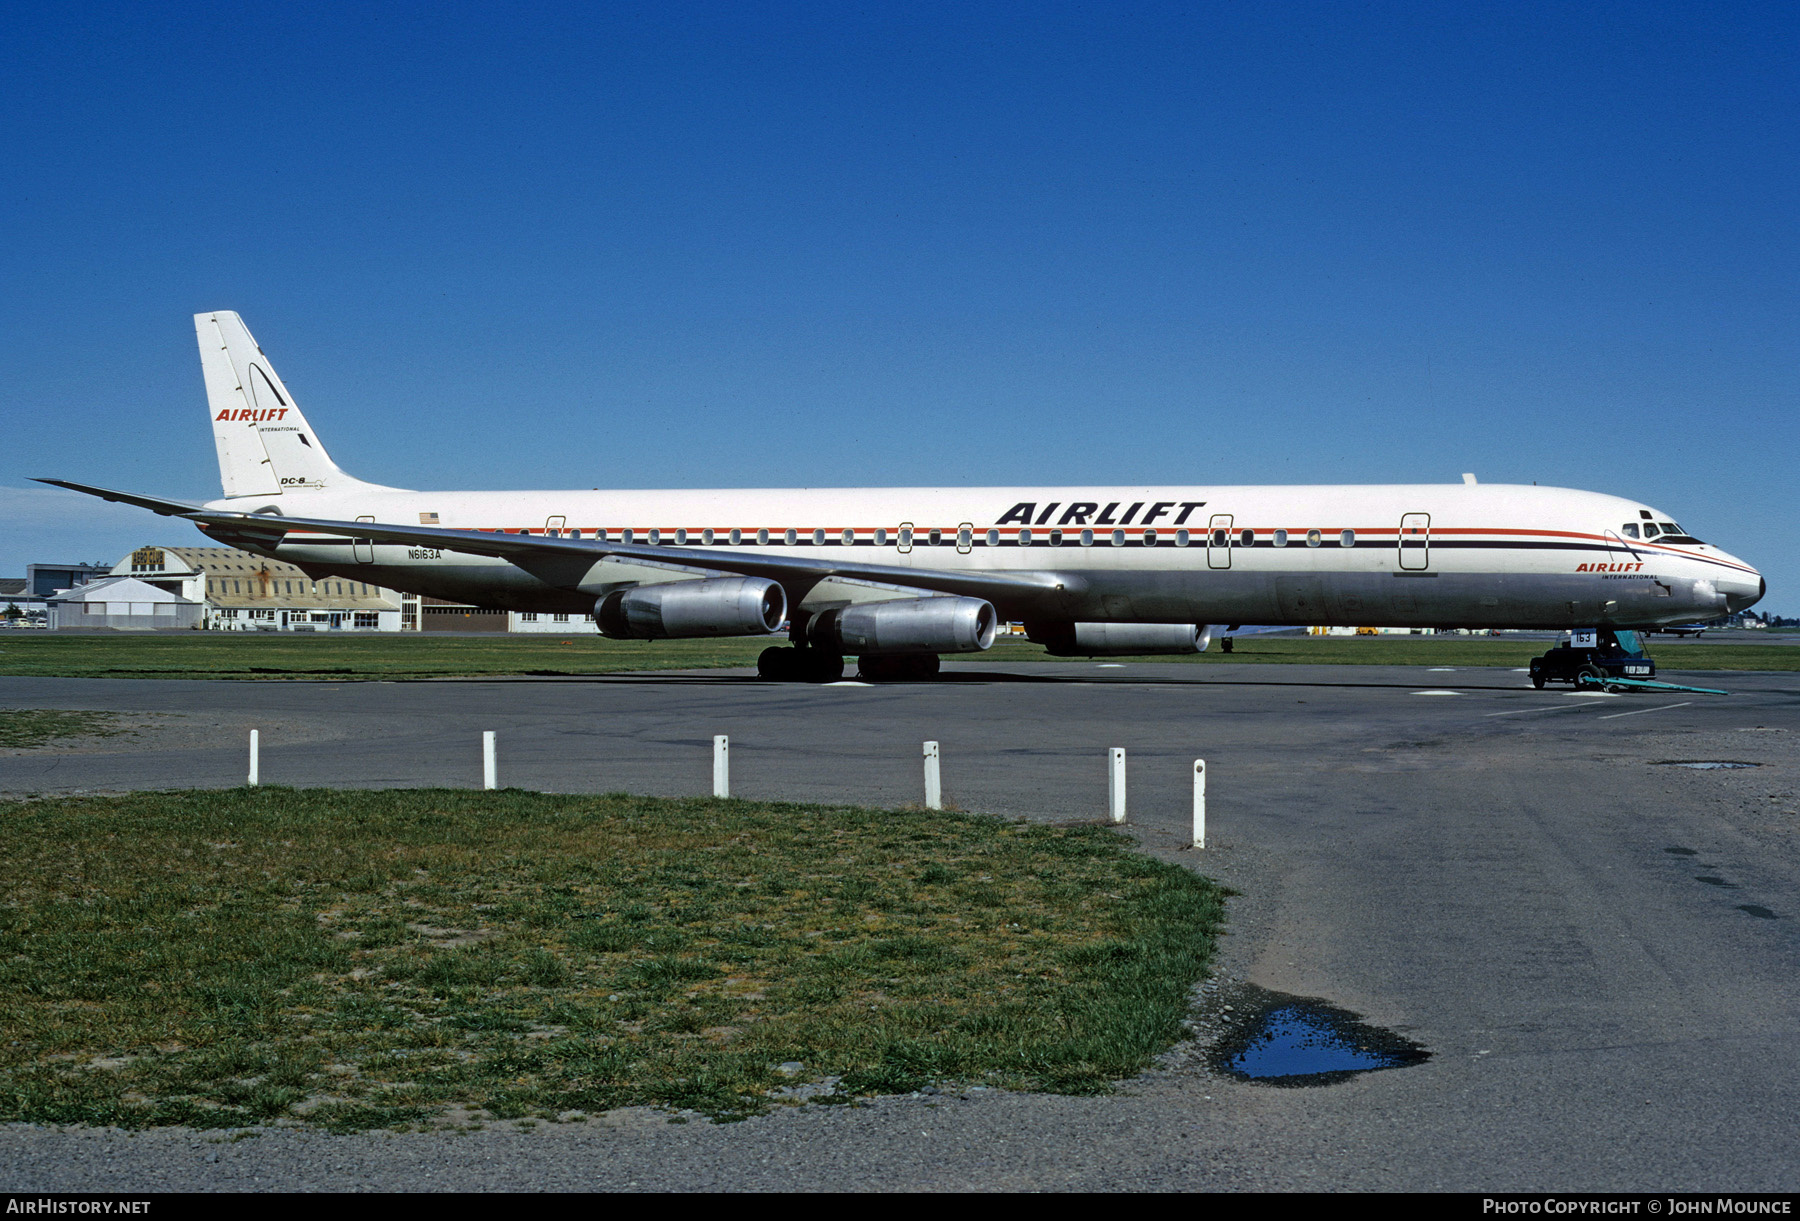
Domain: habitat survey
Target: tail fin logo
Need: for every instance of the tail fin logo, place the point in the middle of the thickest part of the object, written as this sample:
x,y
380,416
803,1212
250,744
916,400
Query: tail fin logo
x,y
265,444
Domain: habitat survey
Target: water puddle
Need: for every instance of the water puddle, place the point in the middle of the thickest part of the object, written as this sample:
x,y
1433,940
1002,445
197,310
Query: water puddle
x,y
1301,1041
1704,765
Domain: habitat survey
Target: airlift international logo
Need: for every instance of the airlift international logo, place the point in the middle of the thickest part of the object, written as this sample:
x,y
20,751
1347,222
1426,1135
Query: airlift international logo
x,y
1610,568
250,415
1078,512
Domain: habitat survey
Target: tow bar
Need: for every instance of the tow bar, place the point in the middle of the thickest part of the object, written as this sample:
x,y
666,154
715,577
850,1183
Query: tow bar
x,y
1608,683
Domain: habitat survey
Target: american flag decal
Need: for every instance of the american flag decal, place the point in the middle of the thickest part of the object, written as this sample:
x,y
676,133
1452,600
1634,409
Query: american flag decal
x,y
428,519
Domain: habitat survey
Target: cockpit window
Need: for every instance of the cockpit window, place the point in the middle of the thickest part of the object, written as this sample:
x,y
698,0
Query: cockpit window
x,y
1631,530
1672,533
1650,529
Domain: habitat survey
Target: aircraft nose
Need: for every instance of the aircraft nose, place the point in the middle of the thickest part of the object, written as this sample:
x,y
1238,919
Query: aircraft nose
x,y
1743,592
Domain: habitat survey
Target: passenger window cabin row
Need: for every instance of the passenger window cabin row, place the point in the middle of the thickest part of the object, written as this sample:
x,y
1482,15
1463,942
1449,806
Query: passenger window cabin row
x,y
906,537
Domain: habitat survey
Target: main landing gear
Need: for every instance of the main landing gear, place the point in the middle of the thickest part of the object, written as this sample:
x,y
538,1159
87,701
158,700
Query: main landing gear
x,y
898,667
790,665
799,665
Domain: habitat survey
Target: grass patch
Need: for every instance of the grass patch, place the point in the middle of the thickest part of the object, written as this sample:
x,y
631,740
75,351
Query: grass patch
x,y
351,960
28,727
348,658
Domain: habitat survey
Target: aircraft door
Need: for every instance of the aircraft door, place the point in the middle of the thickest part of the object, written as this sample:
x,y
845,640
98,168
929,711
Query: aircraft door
x,y
905,544
364,548
553,526
1415,542
1218,541
964,536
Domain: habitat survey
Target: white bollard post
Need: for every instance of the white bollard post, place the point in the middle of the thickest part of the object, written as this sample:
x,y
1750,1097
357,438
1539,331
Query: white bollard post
x,y
934,787
1199,803
721,765
1115,784
255,770
488,778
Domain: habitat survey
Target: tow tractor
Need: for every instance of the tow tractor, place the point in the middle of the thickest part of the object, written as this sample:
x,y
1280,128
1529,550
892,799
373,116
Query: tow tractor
x,y
1591,656
1603,658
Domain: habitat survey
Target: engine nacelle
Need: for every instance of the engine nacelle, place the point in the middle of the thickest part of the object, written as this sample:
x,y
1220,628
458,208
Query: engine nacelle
x,y
1119,639
910,625
716,606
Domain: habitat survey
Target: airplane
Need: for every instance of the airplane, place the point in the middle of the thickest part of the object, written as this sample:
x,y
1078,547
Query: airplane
x,y
1682,630
900,577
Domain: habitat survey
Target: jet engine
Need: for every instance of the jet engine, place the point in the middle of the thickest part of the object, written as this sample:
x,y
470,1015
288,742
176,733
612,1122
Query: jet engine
x,y
1119,639
911,625
716,606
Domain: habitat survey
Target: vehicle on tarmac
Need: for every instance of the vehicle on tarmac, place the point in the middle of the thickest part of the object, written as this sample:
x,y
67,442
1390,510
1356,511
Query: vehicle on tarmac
x,y
1590,658
897,577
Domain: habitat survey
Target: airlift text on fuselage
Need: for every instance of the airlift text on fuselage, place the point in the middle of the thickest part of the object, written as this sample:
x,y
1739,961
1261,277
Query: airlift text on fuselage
x,y
1026,513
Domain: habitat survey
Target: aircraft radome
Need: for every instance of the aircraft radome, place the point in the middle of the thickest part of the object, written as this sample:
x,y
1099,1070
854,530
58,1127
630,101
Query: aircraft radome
x,y
898,577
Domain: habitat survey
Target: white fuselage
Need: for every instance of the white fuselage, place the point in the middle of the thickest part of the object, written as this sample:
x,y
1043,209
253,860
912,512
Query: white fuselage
x,y
1422,555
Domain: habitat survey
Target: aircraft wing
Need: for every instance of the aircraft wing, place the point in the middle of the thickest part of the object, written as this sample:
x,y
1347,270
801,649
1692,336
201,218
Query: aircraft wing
x,y
797,570
156,504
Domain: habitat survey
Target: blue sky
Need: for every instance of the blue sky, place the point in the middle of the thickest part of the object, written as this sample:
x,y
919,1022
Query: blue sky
x,y
701,245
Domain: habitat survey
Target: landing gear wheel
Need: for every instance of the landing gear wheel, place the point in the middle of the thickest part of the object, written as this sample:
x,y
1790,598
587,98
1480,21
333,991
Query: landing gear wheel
x,y
877,669
818,666
888,668
776,664
780,665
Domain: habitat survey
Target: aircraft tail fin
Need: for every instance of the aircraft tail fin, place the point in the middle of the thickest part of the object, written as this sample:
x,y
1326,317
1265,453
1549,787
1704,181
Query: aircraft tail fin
x,y
265,445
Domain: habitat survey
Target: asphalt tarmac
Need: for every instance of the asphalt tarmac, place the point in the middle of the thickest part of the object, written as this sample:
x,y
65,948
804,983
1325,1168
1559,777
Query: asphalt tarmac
x,y
1600,949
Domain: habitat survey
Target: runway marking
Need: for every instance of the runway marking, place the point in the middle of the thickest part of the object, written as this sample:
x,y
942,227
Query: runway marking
x,y
1639,711
1437,693
1441,670
1595,695
845,683
1545,708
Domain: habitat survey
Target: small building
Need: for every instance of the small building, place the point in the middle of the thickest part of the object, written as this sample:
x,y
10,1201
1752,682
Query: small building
x,y
530,621
440,615
124,604
19,607
42,580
